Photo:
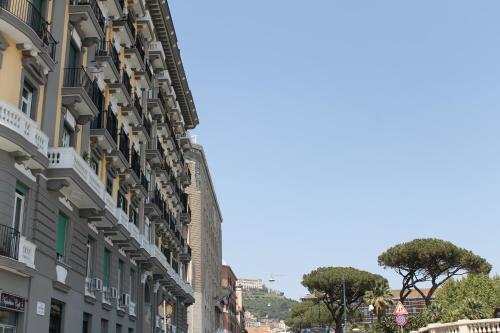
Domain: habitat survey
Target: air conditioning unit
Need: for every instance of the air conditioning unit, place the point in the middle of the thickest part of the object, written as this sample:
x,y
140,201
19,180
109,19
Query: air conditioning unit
x,y
124,300
113,293
96,284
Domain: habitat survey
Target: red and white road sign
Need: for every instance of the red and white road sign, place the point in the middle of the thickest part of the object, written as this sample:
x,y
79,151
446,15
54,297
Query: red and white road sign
x,y
400,310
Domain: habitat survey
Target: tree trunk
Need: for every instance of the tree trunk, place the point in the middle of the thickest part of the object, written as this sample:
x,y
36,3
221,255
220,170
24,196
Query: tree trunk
x,y
338,326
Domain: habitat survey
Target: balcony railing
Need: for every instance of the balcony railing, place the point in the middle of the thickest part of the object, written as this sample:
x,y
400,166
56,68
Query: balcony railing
x,y
139,45
144,181
148,71
160,149
25,11
9,242
147,125
107,49
95,9
17,121
135,162
137,104
124,144
126,82
79,78
106,120
130,24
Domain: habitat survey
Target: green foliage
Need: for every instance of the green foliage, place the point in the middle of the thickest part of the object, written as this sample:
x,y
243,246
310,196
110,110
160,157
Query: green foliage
x,y
379,297
473,297
309,314
326,283
430,261
257,301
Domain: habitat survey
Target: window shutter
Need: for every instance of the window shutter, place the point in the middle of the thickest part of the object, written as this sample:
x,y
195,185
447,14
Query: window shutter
x,y
61,235
21,188
106,262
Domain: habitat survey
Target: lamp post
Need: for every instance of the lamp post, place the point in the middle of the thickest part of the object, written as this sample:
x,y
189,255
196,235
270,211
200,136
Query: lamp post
x,y
370,311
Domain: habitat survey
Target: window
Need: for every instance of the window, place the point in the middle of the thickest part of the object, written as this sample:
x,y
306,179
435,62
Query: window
x,y
131,285
106,268
87,322
56,314
118,328
120,276
62,224
134,216
67,136
146,229
122,201
90,253
27,98
94,164
109,183
19,207
104,326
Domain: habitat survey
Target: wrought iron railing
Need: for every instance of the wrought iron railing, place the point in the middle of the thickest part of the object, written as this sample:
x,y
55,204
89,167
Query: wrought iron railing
x,y
106,120
147,125
25,11
124,144
9,242
126,82
107,49
95,9
135,162
148,71
139,45
130,24
160,149
78,77
144,182
137,104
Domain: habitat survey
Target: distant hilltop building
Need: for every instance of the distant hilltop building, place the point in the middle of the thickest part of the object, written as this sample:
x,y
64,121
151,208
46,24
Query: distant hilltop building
x,y
251,283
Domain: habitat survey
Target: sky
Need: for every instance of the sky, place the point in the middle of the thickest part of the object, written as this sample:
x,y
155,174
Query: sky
x,y
336,129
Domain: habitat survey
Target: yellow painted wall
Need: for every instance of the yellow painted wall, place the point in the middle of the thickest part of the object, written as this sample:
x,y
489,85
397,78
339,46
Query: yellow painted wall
x,y
10,75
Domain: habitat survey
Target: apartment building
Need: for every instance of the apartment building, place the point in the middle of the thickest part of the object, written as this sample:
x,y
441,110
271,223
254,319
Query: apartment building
x,y
231,316
248,284
94,113
205,316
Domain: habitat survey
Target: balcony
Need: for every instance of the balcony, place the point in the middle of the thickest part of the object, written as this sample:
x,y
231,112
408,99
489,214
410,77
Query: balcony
x,y
104,130
156,104
21,136
185,142
185,254
185,215
124,30
144,77
122,91
81,94
108,61
69,173
134,113
145,26
113,8
185,177
153,205
132,175
88,19
21,21
155,154
120,158
16,247
157,56
135,54
138,6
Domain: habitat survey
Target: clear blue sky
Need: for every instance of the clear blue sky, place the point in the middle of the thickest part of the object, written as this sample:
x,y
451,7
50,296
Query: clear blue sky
x,y
335,129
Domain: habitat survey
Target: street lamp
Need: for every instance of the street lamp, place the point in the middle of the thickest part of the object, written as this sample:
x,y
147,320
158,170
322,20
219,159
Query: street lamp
x,y
370,311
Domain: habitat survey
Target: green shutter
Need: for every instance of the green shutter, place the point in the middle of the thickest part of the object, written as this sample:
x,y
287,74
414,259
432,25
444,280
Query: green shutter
x,y
61,235
106,263
21,188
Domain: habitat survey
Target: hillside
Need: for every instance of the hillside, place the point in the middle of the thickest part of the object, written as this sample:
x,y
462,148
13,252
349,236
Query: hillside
x,y
262,304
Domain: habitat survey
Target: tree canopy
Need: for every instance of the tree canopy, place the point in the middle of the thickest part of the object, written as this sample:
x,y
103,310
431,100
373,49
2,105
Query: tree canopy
x,y
308,314
326,283
434,261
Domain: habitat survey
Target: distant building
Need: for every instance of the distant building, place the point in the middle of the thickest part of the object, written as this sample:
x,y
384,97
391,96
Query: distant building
x,y
230,313
414,304
205,315
250,283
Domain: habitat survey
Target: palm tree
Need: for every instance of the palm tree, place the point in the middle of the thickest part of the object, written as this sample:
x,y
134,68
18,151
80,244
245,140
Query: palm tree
x,y
379,297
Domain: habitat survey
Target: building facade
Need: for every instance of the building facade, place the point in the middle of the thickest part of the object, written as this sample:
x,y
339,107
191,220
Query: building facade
x,y
94,113
251,283
231,315
205,316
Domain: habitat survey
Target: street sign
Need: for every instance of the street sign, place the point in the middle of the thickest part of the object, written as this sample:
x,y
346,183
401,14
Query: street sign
x,y
400,310
401,320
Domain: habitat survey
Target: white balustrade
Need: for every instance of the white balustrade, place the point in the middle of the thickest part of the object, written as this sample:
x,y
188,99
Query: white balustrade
x,y
464,326
131,308
12,118
68,158
27,252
